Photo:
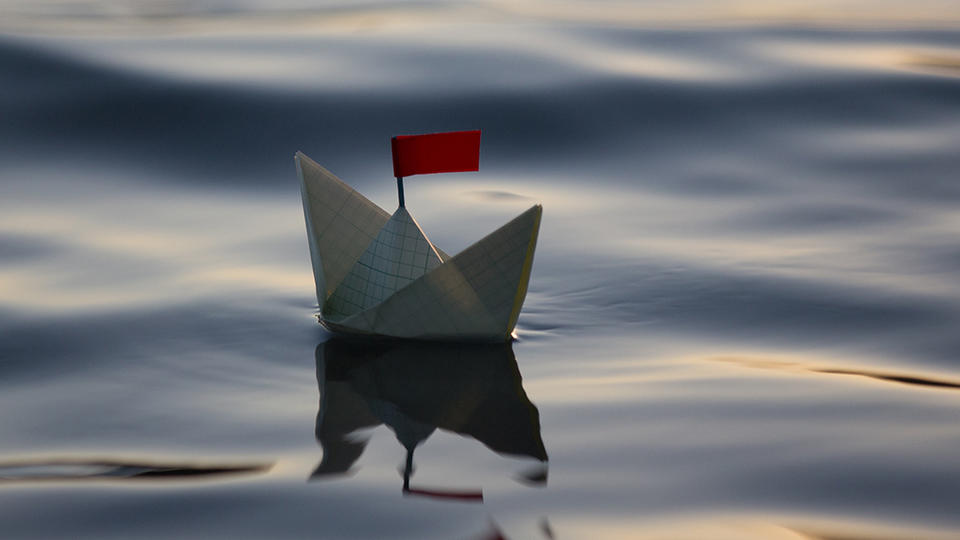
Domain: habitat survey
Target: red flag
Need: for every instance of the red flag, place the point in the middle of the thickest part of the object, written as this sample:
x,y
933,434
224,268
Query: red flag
x,y
456,151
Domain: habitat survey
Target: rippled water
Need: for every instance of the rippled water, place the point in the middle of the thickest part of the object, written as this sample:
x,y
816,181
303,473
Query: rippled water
x,y
741,320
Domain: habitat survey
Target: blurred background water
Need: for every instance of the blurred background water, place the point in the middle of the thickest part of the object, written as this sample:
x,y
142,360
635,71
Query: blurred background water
x,y
742,320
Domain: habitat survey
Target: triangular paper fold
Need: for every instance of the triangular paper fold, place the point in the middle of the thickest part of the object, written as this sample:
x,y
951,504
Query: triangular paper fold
x,y
378,274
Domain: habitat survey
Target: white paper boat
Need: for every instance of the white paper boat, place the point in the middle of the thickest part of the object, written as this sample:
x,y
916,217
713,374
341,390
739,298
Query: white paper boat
x,y
378,274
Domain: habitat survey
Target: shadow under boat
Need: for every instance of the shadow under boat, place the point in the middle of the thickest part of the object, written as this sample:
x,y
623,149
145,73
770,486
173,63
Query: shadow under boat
x,y
415,388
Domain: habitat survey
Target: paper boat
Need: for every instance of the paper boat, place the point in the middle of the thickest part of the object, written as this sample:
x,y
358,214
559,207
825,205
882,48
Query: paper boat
x,y
378,274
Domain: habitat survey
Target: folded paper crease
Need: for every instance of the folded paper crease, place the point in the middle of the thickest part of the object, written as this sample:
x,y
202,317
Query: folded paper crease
x,y
379,274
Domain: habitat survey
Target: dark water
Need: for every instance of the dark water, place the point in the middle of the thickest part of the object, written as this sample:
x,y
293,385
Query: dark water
x,y
742,320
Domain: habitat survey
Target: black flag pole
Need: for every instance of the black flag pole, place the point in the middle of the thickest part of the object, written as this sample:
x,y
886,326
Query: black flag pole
x,y
400,190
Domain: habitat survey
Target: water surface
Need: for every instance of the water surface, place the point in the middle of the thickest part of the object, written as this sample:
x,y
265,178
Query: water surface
x,y
741,319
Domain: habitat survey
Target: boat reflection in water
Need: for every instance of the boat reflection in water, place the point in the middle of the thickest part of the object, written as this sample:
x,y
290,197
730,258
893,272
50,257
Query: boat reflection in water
x,y
415,388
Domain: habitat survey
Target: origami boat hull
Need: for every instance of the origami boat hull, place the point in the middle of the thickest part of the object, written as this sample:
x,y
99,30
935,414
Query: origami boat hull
x,y
377,274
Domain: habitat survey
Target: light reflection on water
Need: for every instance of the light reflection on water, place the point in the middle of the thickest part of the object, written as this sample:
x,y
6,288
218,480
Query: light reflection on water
x,y
741,321
416,389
